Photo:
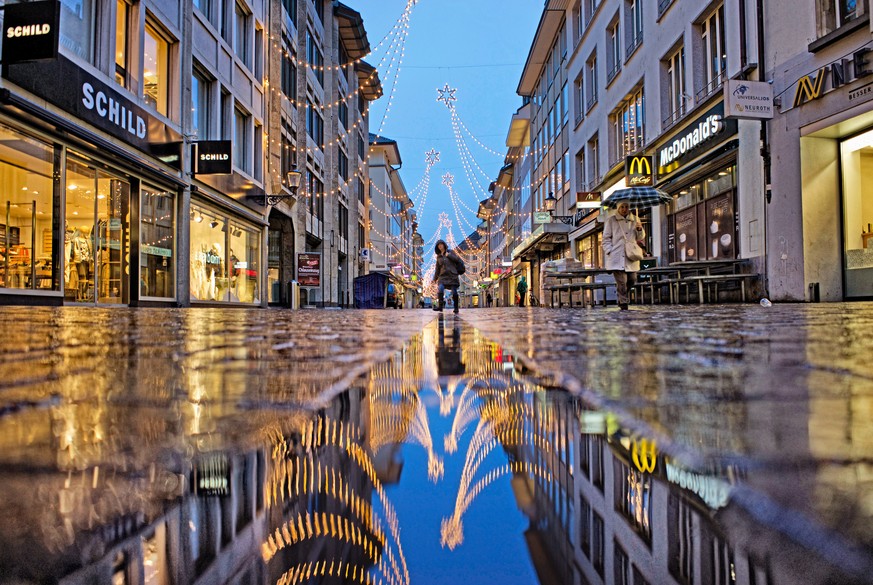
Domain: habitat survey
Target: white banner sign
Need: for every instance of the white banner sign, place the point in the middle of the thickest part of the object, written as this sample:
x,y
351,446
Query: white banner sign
x,y
748,99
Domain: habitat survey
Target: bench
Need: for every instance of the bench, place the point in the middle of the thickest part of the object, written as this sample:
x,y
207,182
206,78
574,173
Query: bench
x,y
654,287
709,284
583,287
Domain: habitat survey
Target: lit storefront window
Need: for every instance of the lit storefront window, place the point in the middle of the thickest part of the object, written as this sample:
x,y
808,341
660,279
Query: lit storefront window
x,y
157,244
703,225
28,246
857,165
225,258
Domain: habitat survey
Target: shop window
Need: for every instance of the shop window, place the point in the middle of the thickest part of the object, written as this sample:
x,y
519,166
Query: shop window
x,y
96,241
122,40
156,59
201,102
588,251
225,258
157,243
703,226
29,247
856,164
77,33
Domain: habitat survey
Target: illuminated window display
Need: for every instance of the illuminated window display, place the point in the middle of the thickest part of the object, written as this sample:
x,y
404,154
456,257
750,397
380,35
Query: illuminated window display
x,y
225,258
27,221
157,243
856,163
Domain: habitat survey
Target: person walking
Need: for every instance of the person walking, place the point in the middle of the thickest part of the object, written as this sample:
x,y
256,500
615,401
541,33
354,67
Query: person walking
x,y
620,228
521,289
488,298
448,266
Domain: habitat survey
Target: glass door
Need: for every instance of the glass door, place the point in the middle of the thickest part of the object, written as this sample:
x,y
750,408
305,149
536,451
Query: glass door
x,y
96,241
856,156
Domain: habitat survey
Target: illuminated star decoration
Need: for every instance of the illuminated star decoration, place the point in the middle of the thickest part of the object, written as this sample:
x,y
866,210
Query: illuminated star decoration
x,y
448,180
447,95
444,220
432,157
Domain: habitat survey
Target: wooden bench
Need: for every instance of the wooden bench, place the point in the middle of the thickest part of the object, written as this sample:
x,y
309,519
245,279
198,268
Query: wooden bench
x,y
655,287
709,284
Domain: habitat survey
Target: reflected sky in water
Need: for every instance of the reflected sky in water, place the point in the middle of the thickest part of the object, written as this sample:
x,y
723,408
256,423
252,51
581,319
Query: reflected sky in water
x,y
254,447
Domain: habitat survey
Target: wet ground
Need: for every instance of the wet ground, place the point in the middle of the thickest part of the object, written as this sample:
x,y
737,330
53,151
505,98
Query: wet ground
x,y
688,445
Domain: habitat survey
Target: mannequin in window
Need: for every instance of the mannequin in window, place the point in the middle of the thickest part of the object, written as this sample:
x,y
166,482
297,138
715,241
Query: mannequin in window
x,y
80,258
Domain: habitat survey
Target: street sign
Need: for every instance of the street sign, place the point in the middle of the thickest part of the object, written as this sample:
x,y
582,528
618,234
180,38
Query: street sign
x,y
542,217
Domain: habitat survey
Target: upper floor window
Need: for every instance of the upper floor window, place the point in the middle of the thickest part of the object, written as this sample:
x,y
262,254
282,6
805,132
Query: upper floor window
x,y
156,58
77,32
578,23
289,71
578,97
242,139
201,103
836,13
634,21
591,74
122,43
613,55
314,57
319,9
714,51
628,125
343,165
314,121
343,111
291,8
591,7
242,35
674,84
289,148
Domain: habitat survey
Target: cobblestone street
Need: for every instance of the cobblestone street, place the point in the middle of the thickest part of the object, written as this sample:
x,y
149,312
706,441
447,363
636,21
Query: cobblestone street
x,y
188,444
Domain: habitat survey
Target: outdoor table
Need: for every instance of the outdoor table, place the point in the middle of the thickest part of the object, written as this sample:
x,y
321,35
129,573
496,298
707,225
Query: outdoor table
x,y
659,276
706,272
585,274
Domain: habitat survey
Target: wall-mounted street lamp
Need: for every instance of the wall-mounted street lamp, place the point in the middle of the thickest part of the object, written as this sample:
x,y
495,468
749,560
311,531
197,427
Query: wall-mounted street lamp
x,y
293,180
550,202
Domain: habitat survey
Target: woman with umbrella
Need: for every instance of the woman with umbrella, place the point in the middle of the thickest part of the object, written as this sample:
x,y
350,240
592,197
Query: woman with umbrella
x,y
620,228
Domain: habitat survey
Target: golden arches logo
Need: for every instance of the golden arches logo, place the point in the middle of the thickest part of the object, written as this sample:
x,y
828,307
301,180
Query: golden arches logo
x,y
639,165
808,90
644,454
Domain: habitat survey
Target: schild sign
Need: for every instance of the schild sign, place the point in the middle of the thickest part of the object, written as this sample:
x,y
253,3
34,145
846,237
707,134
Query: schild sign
x,y
213,157
30,31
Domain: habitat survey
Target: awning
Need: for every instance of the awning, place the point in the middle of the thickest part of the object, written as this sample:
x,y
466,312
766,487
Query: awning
x,y
351,31
368,78
545,238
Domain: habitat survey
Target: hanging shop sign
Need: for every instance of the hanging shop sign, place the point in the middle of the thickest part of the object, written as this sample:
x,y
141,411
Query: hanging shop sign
x,y
644,454
30,31
213,157
832,76
706,131
638,171
542,217
588,200
748,99
309,270
87,98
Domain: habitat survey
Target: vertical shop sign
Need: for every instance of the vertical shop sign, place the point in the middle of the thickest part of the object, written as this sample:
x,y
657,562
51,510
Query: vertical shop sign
x,y
309,270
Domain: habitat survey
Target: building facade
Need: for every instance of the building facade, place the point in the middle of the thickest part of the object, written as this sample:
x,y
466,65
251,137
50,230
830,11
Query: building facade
x,y
158,176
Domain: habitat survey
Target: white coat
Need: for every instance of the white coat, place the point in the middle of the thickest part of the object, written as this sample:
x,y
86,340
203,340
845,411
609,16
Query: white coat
x,y
616,231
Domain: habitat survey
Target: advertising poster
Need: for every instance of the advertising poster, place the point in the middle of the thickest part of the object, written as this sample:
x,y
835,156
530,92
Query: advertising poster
x,y
309,270
686,235
720,229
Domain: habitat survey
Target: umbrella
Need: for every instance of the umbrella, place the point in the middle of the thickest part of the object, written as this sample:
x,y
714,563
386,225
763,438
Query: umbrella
x,y
638,197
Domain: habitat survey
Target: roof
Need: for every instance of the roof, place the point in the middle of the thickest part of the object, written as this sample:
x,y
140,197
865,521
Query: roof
x,y
392,151
351,31
547,31
368,79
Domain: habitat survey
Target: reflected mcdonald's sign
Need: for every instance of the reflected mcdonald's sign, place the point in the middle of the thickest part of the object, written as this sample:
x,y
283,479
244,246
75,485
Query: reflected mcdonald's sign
x,y
644,454
639,171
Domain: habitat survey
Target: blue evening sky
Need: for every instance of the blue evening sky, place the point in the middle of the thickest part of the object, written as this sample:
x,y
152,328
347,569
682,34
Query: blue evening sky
x,y
476,46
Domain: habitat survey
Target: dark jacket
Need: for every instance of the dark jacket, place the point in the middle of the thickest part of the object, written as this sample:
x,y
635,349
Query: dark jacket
x,y
446,271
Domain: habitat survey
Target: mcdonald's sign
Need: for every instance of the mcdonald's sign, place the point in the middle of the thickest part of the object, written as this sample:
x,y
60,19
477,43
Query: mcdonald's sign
x,y
638,171
644,454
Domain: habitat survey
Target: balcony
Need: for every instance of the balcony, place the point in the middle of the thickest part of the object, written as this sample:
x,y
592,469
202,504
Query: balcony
x,y
675,115
635,44
590,103
710,88
613,73
663,5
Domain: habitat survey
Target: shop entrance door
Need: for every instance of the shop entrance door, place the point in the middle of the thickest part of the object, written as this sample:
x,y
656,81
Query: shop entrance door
x,y
97,243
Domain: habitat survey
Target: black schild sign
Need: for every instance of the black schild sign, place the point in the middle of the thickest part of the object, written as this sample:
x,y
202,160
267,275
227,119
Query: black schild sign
x,y
213,157
30,31
79,93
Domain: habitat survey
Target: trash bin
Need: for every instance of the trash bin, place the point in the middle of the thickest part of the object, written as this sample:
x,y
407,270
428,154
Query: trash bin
x,y
293,296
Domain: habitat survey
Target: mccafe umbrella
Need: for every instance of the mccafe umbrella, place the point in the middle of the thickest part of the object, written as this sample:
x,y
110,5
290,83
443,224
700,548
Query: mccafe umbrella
x,y
638,197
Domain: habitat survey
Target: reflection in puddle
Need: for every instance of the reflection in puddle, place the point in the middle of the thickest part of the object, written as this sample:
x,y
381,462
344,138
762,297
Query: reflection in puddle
x,y
443,463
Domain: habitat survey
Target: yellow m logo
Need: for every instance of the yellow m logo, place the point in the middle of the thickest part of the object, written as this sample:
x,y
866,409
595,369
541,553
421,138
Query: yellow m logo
x,y
639,165
808,90
644,455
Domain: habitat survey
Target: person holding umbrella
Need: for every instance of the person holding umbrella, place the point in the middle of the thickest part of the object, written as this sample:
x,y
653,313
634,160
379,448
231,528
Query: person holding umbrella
x,y
621,228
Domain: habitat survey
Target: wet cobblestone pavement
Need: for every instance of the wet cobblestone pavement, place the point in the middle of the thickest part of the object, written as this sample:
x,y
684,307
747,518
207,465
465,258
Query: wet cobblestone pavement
x,y
729,444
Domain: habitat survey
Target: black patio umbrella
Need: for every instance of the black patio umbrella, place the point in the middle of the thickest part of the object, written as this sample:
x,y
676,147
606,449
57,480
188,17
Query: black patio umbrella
x,y
638,197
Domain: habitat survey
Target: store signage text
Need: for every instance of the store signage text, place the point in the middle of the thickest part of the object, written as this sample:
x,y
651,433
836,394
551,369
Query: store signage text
x,y
748,99
711,126
638,171
31,31
113,111
832,76
213,157
309,270
588,200
713,491
542,217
